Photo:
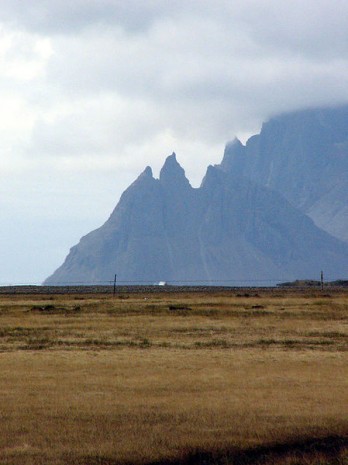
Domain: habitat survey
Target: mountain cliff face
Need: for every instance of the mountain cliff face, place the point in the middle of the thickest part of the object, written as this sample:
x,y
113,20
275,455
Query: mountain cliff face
x,y
233,230
304,157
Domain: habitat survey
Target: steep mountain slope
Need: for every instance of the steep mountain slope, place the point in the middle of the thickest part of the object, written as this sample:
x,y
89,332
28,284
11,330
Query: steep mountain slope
x,y
303,156
148,235
229,231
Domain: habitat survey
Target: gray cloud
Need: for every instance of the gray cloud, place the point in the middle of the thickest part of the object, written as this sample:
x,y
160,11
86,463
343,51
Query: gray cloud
x,y
204,70
310,25
212,75
70,17
94,90
314,27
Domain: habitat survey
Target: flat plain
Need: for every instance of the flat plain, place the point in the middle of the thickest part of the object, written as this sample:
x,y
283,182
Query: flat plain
x,y
219,377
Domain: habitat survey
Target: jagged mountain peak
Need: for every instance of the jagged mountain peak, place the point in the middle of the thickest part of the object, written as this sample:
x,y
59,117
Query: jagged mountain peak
x,y
234,152
233,144
144,178
212,177
148,172
172,174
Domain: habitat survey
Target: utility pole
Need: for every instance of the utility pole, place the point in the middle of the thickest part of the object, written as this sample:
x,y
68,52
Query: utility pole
x,y
322,280
115,284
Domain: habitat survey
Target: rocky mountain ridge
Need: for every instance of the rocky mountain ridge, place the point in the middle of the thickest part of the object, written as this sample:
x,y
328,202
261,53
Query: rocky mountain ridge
x,y
303,156
247,224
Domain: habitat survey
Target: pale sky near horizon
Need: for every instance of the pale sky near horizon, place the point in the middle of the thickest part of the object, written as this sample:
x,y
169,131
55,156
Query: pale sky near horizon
x,y
93,91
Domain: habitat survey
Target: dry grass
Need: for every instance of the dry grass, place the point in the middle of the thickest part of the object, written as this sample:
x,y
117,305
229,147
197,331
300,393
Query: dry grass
x,y
192,378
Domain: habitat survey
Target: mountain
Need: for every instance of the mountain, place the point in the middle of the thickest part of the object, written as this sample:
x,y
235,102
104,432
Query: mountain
x,y
303,156
231,230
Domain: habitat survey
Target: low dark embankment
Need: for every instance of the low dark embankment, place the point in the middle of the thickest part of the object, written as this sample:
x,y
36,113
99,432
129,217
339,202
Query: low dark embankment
x,y
331,450
247,291
324,451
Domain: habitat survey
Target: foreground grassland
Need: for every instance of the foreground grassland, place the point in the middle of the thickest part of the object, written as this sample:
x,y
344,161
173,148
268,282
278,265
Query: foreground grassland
x,y
218,378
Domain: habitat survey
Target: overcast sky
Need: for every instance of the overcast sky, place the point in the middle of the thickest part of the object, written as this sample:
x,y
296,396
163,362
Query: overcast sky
x,y
93,91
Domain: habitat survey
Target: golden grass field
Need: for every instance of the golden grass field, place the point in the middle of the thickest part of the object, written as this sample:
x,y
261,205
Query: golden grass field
x,y
194,378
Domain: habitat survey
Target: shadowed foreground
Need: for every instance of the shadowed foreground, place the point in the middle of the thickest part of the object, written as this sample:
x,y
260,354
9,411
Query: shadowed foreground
x,y
331,450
